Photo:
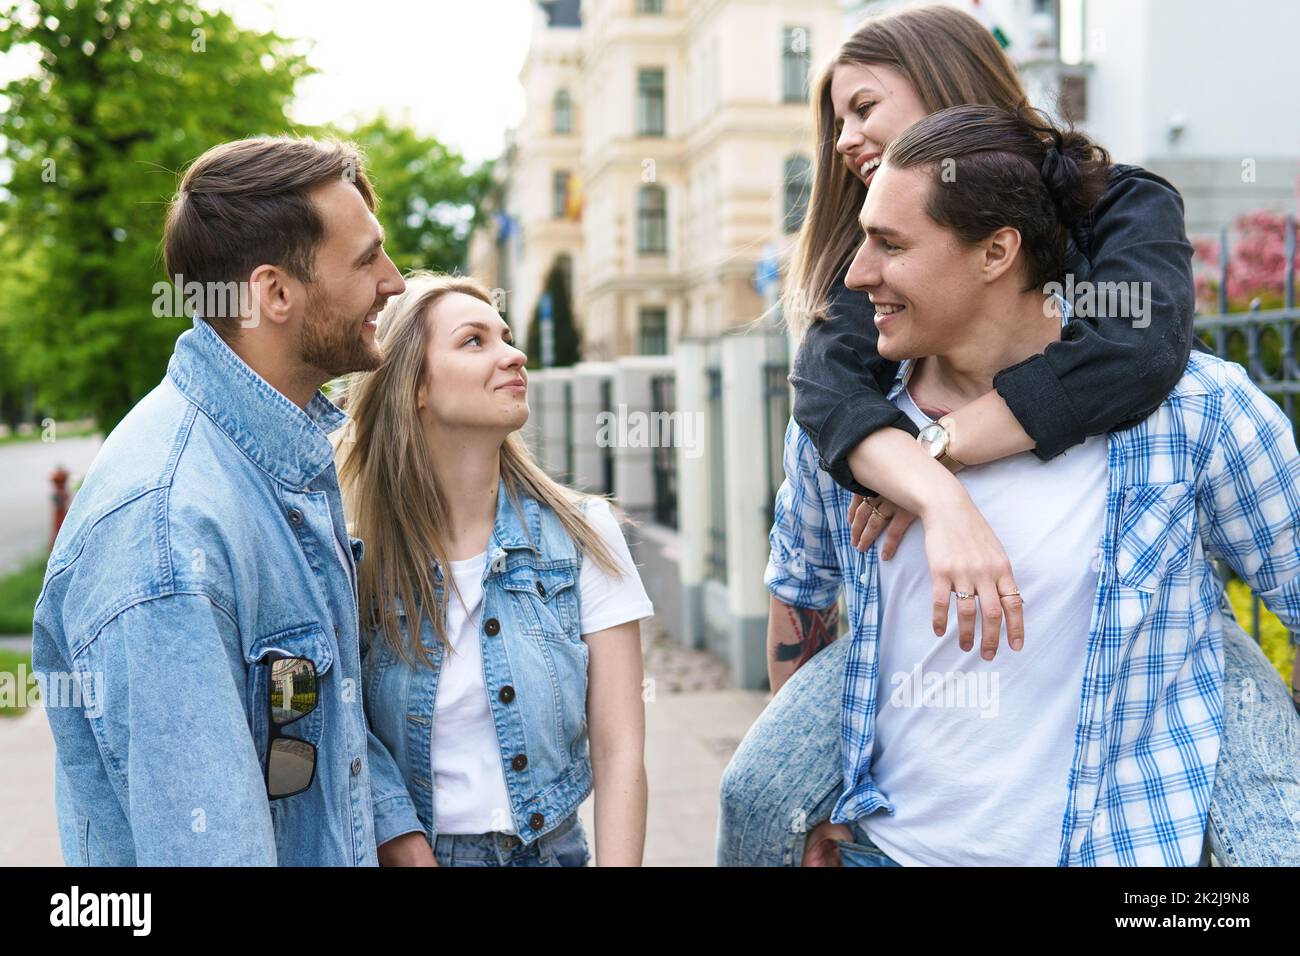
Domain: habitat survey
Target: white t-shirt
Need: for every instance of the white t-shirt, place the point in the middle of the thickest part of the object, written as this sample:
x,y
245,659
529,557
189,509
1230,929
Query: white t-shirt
x,y
469,783
975,755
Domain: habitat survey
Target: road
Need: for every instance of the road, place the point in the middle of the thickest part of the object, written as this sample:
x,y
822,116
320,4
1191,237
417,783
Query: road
x,y
25,505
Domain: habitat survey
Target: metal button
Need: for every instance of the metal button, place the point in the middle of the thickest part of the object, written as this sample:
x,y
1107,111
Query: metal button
x,y
541,589
537,821
506,694
356,766
295,516
519,762
492,627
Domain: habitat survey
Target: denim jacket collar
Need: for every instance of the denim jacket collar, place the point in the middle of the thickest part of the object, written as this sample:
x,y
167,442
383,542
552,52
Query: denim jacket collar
x,y
287,442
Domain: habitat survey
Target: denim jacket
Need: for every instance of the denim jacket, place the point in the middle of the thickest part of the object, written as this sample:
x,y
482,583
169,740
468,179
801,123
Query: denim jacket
x,y
535,668
204,539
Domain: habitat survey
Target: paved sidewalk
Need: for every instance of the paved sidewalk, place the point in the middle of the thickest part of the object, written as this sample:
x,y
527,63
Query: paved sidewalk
x,y
28,832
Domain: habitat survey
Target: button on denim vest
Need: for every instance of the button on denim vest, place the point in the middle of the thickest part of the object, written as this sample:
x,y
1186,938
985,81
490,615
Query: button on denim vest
x,y
535,669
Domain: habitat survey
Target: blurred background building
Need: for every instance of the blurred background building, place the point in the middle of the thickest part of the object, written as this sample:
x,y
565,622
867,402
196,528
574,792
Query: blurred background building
x,y
665,146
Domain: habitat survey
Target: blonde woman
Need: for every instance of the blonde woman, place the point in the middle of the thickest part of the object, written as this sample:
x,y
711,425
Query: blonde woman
x,y
500,640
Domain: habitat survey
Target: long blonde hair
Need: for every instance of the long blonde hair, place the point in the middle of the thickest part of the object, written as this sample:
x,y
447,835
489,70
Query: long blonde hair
x,y
951,60
390,492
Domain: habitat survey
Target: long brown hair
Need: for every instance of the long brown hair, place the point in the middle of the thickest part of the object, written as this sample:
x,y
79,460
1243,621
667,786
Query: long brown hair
x,y
950,59
392,496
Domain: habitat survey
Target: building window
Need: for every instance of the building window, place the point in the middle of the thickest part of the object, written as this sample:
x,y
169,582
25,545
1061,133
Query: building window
x,y
649,6
798,184
563,112
796,60
560,194
650,102
652,220
654,331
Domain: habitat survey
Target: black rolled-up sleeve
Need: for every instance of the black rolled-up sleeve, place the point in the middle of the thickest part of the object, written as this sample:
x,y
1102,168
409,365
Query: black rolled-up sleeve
x,y
840,382
1112,371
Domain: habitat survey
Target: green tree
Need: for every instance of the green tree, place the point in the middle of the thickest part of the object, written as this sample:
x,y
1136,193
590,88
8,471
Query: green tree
x,y
568,346
126,92
428,195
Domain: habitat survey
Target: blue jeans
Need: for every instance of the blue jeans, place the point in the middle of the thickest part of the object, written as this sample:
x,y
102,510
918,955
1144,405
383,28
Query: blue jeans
x,y
861,851
786,775
566,845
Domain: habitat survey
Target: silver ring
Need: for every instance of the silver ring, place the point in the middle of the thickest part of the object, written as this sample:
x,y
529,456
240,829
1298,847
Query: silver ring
x,y
962,595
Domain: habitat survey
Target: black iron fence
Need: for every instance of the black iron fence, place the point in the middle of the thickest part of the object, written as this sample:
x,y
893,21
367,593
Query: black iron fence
x,y
716,562
607,452
776,408
1263,341
663,404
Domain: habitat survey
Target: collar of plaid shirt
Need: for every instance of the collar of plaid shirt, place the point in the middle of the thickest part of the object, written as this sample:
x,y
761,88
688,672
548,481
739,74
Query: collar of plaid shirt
x,y
1150,718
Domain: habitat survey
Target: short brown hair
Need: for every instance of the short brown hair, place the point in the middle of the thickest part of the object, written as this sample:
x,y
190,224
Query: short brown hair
x,y
244,204
1044,179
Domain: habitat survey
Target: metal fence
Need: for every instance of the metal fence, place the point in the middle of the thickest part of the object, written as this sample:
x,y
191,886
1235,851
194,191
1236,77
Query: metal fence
x,y
716,563
663,403
569,471
607,453
1264,343
776,408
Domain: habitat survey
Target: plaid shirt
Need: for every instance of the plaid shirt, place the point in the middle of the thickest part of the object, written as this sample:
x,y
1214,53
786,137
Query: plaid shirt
x,y
1214,470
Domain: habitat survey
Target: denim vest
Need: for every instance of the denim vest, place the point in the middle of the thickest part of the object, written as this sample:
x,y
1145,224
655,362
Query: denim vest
x,y
202,541
535,669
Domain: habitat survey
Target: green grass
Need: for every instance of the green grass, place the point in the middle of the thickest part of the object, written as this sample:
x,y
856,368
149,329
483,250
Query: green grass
x,y
10,662
1273,636
18,593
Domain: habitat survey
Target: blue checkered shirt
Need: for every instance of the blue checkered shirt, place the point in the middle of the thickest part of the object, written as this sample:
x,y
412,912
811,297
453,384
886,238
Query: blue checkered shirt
x,y
1212,472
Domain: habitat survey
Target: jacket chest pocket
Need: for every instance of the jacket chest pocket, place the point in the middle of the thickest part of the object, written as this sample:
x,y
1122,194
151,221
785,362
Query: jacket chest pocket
x,y
291,694
547,599
1157,532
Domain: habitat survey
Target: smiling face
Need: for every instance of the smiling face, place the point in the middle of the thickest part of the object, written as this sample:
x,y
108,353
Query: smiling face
x,y
873,104
474,377
924,282
353,279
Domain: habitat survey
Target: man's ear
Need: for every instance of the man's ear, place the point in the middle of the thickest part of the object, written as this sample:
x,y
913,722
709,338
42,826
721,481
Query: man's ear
x,y
274,295
1000,252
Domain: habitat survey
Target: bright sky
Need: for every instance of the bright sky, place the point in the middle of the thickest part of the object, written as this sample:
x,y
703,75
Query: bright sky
x,y
448,68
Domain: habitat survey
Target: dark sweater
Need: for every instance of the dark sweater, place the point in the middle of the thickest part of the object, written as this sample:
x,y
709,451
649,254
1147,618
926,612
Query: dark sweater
x,y
1102,375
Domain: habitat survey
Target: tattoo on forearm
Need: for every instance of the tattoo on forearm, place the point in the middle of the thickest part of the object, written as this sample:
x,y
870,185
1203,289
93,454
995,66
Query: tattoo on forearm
x,y
813,630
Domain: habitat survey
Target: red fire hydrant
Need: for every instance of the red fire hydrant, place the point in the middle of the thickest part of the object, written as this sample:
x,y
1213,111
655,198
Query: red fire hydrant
x,y
59,478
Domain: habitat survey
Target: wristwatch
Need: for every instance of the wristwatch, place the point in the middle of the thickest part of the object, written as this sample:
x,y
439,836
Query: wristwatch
x,y
935,438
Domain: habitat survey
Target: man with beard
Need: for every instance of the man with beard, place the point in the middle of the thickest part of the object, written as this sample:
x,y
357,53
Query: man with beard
x,y
202,591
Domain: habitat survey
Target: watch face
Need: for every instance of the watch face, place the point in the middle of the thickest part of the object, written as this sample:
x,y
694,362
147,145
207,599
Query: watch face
x,y
935,439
